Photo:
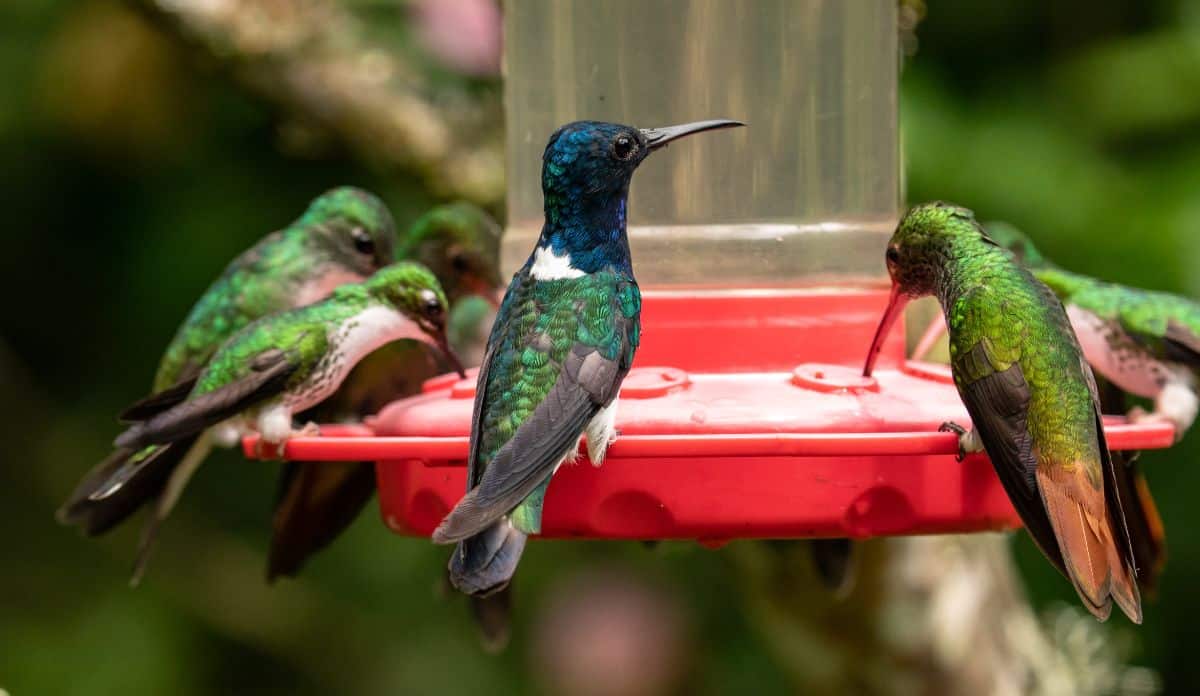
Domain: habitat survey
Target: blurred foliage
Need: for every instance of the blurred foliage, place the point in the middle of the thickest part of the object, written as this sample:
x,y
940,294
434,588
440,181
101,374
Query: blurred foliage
x,y
133,166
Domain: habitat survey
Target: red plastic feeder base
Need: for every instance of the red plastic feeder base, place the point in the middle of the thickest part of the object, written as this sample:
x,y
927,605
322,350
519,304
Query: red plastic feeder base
x,y
757,425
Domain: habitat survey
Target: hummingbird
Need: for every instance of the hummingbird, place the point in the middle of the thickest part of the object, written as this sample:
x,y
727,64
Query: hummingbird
x,y
317,501
1141,342
1031,396
285,363
563,340
345,235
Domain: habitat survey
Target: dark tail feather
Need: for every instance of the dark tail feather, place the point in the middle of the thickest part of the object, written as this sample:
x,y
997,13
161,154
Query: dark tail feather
x,y
484,564
98,516
493,616
146,543
316,503
75,509
836,561
1146,533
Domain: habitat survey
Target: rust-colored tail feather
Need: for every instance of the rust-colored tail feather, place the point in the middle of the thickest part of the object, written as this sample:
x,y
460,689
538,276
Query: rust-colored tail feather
x,y
1083,526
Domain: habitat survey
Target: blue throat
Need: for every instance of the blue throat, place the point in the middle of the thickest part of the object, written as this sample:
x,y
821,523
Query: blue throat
x,y
591,231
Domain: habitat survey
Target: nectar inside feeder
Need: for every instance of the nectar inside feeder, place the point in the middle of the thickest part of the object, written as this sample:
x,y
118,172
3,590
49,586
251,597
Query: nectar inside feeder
x,y
760,258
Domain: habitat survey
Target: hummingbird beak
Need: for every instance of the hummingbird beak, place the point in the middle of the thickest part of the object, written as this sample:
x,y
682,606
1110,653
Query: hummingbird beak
x,y
659,137
895,306
451,357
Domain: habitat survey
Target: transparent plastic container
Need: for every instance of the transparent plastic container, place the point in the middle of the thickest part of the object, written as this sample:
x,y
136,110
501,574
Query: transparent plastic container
x,y
815,191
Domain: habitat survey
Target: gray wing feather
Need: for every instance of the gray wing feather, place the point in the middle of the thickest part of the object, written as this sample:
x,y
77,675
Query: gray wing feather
x,y
1181,344
587,383
149,406
999,407
268,378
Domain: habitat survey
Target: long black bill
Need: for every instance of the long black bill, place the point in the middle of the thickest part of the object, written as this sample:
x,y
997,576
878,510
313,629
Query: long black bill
x,y
895,308
659,137
451,358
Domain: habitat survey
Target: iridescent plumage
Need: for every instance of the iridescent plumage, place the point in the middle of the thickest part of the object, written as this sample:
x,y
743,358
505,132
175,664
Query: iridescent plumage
x,y
285,363
563,340
317,501
1032,398
1143,342
344,235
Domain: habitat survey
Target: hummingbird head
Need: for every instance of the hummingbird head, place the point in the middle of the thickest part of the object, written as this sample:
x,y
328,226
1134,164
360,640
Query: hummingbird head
x,y
586,170
413,291
927,238
918,256
1015,241
353,228
460,243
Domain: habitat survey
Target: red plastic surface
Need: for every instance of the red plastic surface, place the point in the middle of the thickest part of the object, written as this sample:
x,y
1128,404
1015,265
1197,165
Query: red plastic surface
x,y
800,445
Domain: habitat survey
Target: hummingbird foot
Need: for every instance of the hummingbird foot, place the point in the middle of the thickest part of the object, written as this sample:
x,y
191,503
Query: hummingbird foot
x,y
272,448
274,425
1138,415
1176,404
227,435
968,440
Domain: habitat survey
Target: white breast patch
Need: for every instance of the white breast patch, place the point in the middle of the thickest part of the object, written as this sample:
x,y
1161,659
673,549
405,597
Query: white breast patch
x,y
550,266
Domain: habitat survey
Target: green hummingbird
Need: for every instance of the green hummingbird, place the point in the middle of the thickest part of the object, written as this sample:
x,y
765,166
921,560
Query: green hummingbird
x,y
345,235
563,340
1142,342
285,363
317,501
1030,394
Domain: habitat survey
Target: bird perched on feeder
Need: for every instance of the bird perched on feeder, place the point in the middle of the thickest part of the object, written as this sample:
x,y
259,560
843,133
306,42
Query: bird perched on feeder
x,y
1142,342
285,363
563,341
345,235
1031,396
460,243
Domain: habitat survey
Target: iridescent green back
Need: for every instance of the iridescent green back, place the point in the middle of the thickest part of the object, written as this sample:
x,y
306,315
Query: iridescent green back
x,y
261,281
301,333
270,276
1144,314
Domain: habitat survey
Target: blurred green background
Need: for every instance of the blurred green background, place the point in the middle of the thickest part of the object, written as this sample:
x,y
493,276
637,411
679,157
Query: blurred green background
x,y
133,166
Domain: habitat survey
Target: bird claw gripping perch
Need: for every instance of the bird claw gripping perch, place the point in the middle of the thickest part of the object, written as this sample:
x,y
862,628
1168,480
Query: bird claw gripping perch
x,y
968,440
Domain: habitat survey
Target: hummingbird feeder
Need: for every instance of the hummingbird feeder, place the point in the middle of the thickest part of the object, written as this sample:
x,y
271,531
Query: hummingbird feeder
x,y
760,258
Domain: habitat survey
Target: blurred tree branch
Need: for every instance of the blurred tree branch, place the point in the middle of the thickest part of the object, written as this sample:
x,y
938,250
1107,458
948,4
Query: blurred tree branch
x,y
364,84
929,615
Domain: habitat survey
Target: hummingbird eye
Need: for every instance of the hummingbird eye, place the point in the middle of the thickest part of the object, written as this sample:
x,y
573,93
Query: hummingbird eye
x,y
624,147
893,255
363,243
431,306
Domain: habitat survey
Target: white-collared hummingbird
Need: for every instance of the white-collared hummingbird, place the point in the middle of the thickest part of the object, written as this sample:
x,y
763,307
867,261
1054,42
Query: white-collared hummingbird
x,y
562,342
1030,394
